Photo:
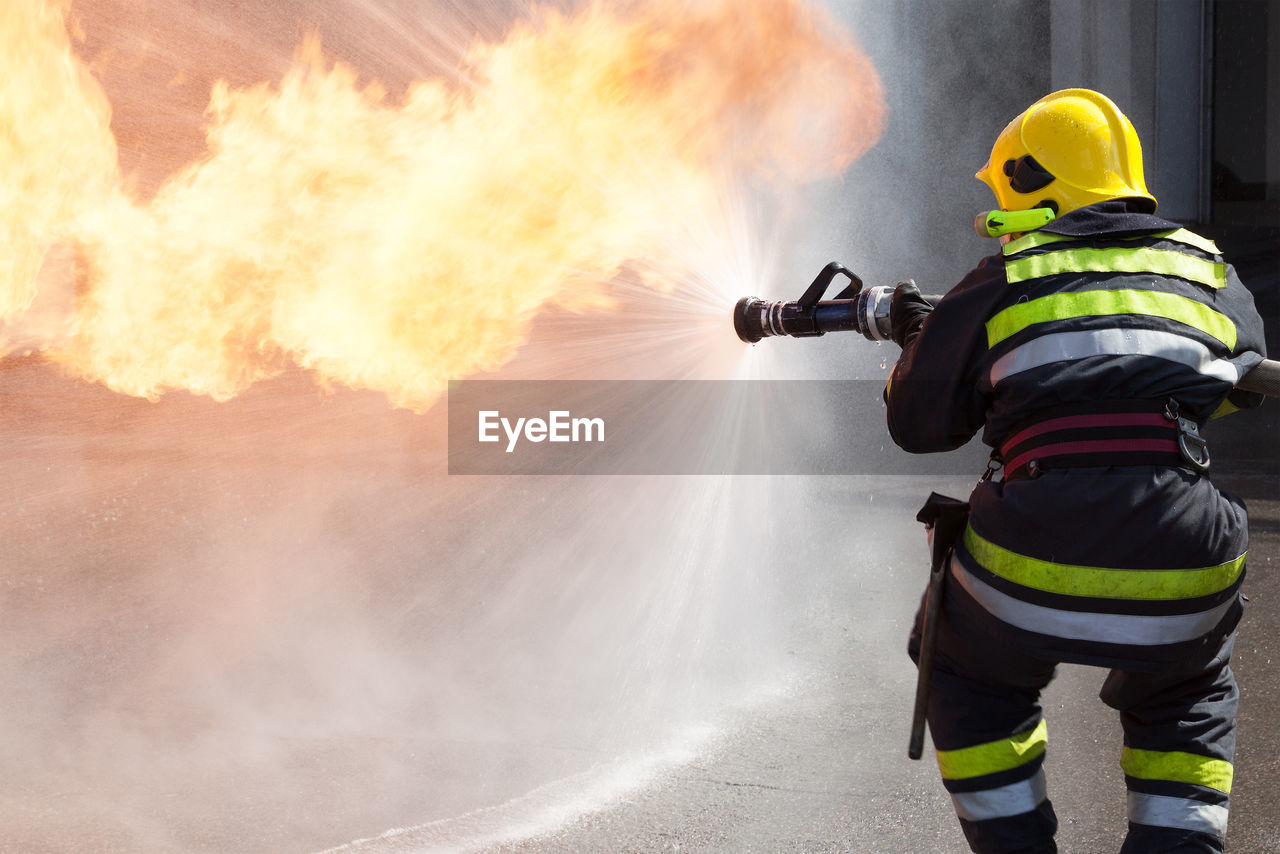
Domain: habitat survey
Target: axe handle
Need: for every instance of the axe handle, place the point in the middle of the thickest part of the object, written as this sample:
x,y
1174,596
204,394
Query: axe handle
x,y
928,647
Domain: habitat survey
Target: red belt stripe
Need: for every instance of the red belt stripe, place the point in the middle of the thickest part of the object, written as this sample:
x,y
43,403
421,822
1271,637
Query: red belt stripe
x,y
1071,422
1094,446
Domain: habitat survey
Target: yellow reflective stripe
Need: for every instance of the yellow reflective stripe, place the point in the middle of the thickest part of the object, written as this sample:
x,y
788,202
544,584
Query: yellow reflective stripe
x,y
1044,238
1019,316
1178,767
1163,262
1190,238
993,756
1225,408
1099,582
1031,240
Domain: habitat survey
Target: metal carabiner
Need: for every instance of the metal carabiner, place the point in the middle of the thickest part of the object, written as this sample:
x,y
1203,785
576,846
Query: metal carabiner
x,y
994,464
1192,446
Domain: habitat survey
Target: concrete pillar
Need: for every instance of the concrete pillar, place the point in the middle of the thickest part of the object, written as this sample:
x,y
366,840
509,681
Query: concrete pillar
x,y
1148,56
1180,170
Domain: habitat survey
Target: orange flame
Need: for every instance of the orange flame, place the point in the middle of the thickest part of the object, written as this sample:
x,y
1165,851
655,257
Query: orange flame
x,y
55,153
394,245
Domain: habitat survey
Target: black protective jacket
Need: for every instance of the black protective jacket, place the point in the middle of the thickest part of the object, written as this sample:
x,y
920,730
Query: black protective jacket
x,y
1104,309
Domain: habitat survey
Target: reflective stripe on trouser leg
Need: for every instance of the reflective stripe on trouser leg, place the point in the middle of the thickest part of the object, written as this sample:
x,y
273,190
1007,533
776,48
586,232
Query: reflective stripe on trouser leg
x,y
1179,741
1003,801
1174,795
998,790
1178,767
1005,810
987,729
997,779
1002,754
1182,813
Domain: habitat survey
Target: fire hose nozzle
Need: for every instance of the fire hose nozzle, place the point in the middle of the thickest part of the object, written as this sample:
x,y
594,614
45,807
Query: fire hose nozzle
x,y
874,321
866,310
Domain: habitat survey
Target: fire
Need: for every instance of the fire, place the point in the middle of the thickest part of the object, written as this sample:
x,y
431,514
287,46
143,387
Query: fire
x,y
56,156
395,243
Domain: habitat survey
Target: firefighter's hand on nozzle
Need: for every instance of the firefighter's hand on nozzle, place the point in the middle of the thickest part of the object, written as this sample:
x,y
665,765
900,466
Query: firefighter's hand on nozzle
x,y
908,312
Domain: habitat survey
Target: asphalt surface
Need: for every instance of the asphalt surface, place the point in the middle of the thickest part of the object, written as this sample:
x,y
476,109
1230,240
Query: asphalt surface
x,y
825,769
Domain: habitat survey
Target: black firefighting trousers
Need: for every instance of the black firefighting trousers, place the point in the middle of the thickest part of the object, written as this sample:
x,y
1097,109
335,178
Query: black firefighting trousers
x,y
990,736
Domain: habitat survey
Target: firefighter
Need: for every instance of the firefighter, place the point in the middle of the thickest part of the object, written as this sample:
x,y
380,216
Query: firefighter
x,y
1091,351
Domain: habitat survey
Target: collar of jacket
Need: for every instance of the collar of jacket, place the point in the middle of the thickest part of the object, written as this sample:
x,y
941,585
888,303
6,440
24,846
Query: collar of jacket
x,y
1116,218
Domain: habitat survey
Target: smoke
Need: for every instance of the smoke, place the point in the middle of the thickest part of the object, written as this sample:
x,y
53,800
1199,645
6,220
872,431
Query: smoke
x,y
262,625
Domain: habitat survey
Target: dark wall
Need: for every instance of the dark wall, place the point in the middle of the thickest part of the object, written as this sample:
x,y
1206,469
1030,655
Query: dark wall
x,y
1245,210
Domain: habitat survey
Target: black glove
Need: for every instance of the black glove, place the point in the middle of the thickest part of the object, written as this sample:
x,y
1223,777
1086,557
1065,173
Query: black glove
x,y
907,312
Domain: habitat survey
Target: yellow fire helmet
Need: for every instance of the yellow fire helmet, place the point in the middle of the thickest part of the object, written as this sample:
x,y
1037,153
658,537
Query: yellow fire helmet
x,y
1069,149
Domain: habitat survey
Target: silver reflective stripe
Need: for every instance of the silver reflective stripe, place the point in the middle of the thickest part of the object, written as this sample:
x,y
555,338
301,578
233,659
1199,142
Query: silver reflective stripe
x,y
1013,799
1182,813
1135,629
1069,346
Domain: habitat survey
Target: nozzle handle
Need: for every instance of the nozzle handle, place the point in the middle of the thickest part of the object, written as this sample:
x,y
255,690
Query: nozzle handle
x,y
818,288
